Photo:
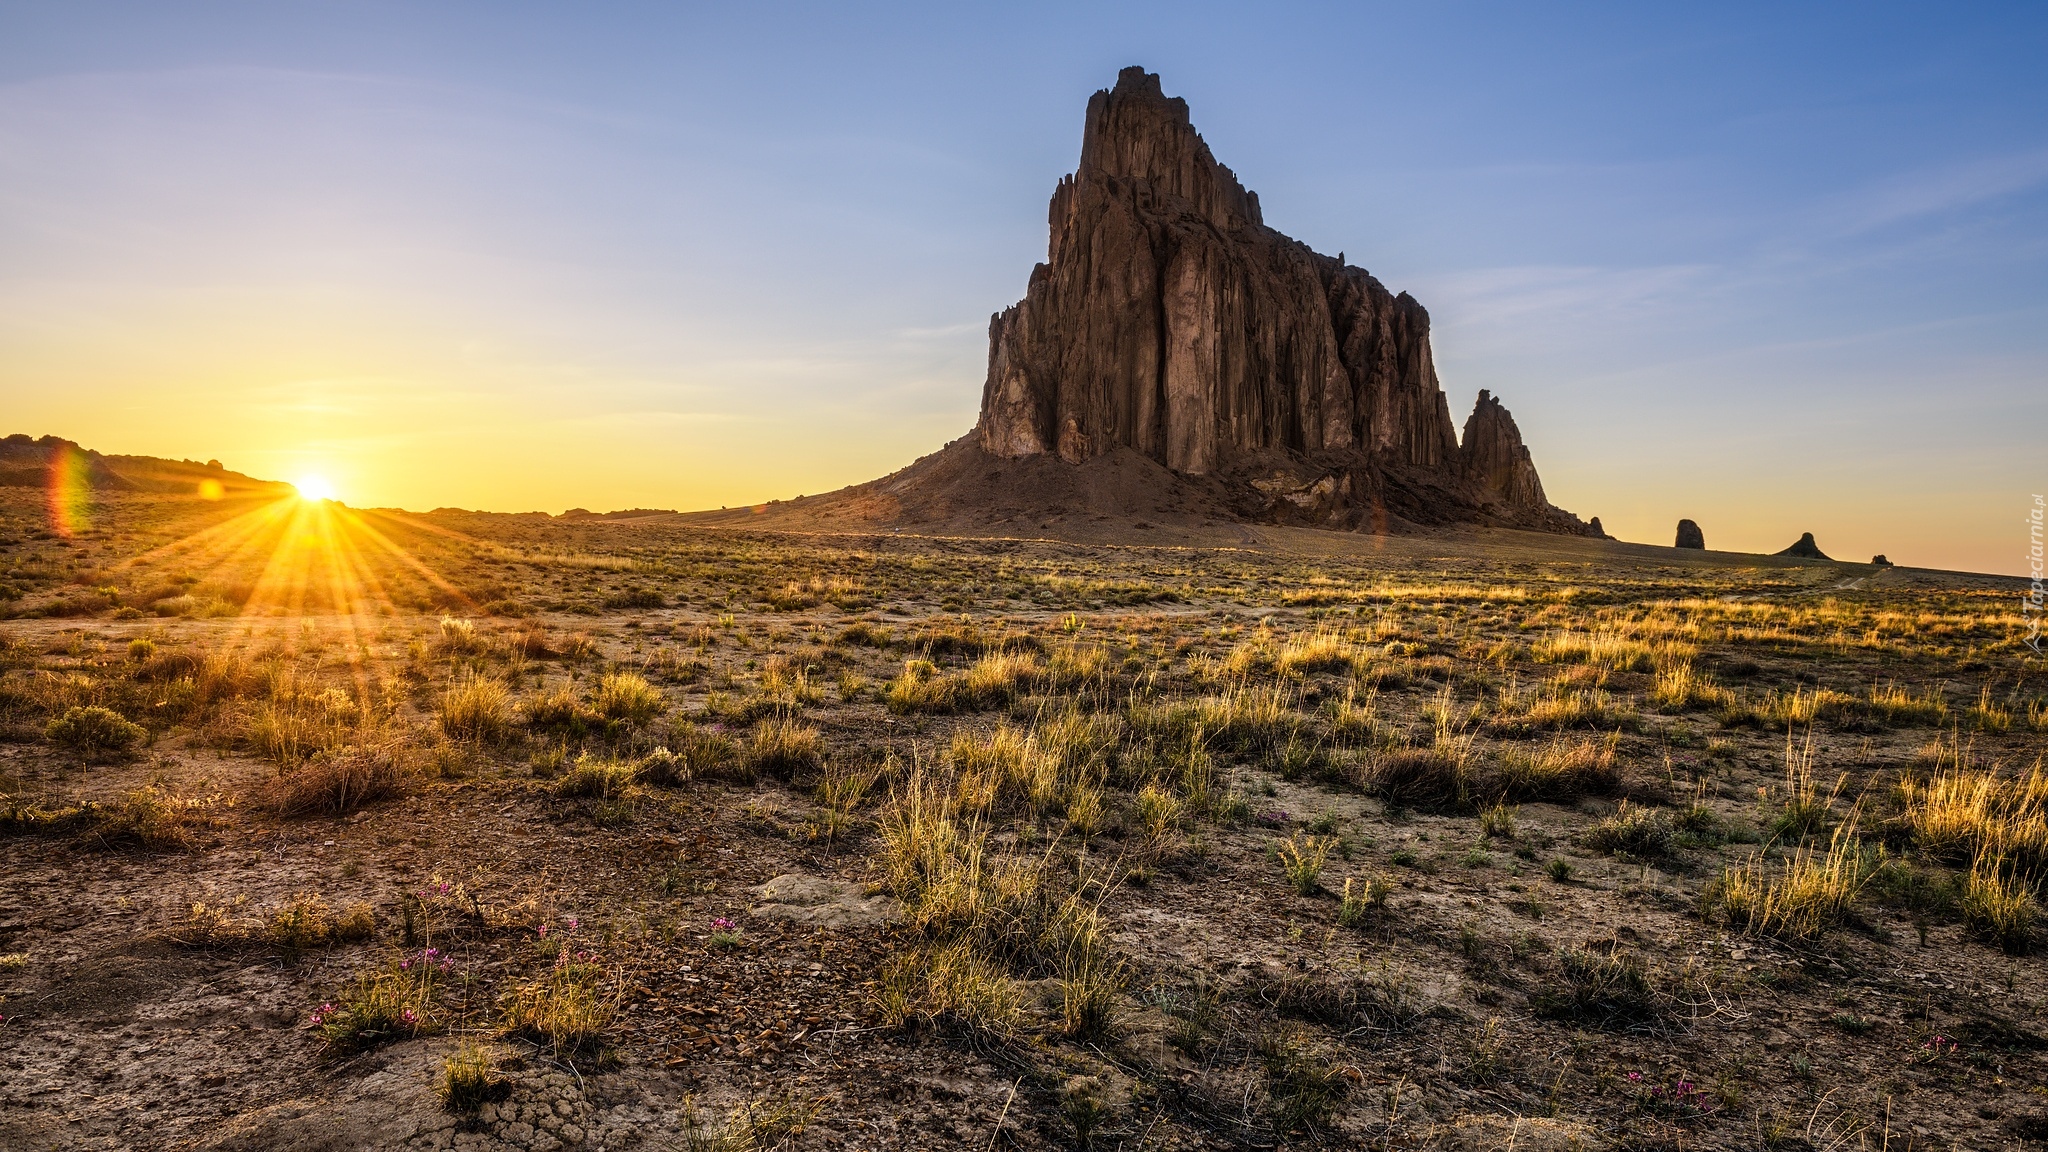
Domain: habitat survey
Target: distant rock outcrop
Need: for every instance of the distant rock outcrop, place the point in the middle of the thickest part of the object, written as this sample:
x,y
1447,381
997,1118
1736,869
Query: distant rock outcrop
x,y
1878,561
1690,536
1805,549
33,462
1594,529
1169,321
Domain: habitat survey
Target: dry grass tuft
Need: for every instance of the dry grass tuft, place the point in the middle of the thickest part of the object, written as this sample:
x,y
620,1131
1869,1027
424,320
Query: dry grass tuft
x,y
1562,769
1960,813
1809,894
469,1080
784,748
566,1010
339,781
1998,905
630,699
476,708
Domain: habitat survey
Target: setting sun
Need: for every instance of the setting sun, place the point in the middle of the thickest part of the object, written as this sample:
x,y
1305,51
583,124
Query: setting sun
x,y
314,488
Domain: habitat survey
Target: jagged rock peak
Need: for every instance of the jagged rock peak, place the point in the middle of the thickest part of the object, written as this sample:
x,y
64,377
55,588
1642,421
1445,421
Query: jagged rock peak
x,y
1136,132
1169,321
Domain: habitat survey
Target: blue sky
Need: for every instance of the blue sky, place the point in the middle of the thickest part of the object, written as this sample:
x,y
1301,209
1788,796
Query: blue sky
x,y
1776,268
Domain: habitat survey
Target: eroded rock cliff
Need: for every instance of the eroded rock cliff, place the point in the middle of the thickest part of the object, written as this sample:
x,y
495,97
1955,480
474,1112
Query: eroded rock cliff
x,y
1170,321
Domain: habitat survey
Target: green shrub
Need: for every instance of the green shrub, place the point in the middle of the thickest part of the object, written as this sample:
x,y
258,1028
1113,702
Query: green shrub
x,y
595,780
95,733
1634,831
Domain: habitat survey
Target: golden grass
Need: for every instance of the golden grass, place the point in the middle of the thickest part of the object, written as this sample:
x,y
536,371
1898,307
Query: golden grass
x,y
1811,892
992,681
1303,859
1802,809
1961,813
784,748
469,1080
1319,651
1361,900
954,987
626,697
1610,650
1998,904
1558,704
302,922
1563,768
596,779
476,708
567,1010
1679,688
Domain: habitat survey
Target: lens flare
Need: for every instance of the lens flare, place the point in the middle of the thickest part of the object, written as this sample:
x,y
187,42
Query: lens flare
x,y
314,488
69,491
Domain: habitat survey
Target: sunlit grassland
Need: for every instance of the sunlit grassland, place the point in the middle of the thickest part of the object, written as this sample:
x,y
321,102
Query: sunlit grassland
x,y
1245,823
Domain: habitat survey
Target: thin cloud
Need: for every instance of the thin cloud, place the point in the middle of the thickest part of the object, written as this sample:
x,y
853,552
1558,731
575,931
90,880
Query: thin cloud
x,y
1937,192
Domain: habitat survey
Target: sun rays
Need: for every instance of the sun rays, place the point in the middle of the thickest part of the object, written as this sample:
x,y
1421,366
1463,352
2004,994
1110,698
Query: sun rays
x,y
307,556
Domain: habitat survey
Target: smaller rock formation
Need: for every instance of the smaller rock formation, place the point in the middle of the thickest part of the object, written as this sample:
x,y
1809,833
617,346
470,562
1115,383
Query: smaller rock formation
x,y
1690,536
1878,561
1492,455
1805,549
1594,529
